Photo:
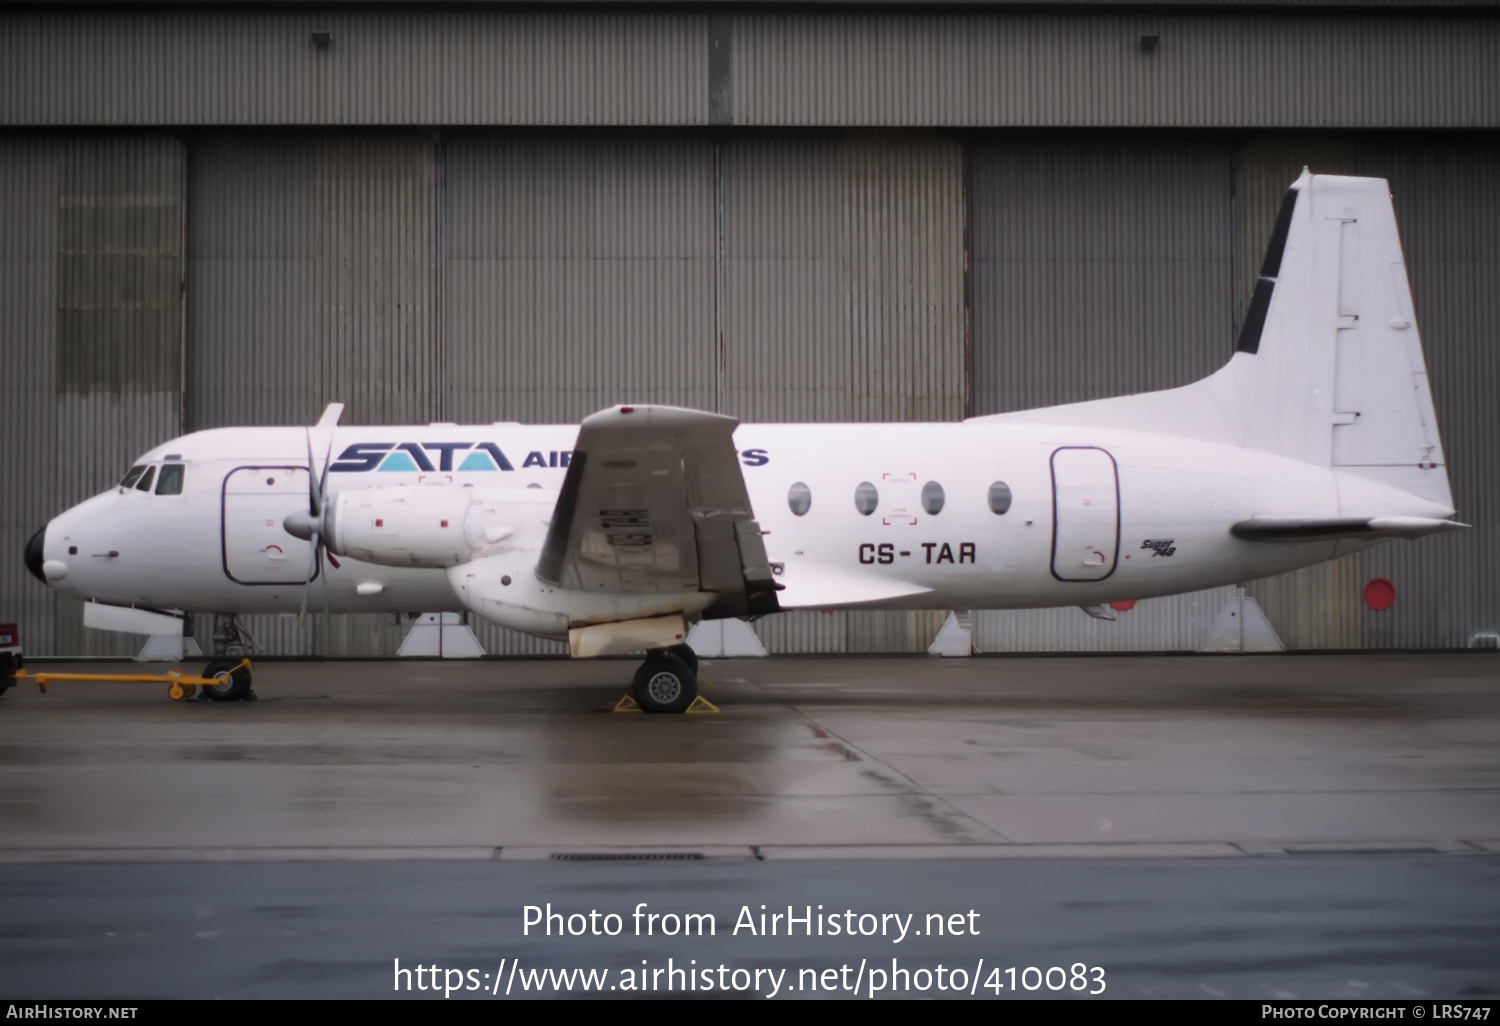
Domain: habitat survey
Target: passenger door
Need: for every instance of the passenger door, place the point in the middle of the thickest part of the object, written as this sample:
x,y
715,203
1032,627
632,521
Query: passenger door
x,y
1086,514
257,549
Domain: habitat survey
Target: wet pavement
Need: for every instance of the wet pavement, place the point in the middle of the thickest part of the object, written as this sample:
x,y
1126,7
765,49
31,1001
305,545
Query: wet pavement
x,y
1258,827
809,757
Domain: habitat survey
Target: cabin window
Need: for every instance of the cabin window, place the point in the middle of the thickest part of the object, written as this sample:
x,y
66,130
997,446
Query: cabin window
x,y
866,498
144,484
932,498
799,498
999,498
170,480
132,475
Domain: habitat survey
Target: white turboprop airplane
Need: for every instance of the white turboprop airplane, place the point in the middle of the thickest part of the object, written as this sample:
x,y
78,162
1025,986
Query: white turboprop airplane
x,y
1318,438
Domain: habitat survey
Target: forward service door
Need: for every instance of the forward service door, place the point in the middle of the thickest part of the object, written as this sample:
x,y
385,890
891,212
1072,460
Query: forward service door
x,y
257,549
1086,514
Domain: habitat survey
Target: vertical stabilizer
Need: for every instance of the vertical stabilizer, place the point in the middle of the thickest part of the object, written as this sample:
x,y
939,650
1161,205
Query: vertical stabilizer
x,y
1328,368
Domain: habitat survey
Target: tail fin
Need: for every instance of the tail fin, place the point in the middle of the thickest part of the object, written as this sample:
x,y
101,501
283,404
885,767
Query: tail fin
x,y
1328,368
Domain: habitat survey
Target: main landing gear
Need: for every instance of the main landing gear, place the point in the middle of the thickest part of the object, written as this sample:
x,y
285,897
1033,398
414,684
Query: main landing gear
x,y
667,682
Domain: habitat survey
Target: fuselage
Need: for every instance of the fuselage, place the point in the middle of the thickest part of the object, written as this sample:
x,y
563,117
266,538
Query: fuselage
x,y
903,516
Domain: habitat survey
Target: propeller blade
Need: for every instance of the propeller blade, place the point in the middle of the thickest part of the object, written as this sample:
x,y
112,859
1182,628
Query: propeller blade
x,y
312,568
314,506
317,495
323,477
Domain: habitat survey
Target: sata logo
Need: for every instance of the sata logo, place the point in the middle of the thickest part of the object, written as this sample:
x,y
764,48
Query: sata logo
x,y
411,457
414,457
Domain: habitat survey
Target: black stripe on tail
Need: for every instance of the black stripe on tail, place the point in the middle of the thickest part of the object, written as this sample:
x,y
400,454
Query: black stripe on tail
x,y
1270,268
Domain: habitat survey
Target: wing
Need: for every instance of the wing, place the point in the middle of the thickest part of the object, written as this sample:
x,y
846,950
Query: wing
x,y
654,501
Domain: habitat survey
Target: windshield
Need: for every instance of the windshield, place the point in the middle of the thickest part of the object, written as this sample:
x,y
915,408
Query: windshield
x,y
131,475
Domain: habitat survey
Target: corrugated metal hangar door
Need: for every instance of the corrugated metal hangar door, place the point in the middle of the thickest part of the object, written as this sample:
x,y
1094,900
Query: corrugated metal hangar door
x,y
1102,265
843,300
1448,210
312,278
1447,195
804,276
91,365
1107,264
579,273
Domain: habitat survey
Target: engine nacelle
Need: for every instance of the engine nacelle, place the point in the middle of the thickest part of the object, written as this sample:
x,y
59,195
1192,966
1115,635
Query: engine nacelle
x,y
504,588
403,525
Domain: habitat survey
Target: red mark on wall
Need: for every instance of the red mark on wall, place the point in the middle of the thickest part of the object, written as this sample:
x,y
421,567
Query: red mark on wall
x,y
1380,594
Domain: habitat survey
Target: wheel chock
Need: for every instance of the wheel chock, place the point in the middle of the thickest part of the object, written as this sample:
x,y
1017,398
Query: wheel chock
x,y
703,706
627,705
704,682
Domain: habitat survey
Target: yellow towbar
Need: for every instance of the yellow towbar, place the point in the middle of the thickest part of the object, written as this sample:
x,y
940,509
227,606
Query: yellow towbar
x,y
183,685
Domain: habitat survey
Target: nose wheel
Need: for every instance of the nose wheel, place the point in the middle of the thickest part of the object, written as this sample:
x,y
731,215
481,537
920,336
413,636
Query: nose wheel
x,y
665,683
231,681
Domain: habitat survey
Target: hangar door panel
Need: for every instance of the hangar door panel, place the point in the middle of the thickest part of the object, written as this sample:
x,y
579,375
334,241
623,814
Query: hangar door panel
x,y
257,549
1086,520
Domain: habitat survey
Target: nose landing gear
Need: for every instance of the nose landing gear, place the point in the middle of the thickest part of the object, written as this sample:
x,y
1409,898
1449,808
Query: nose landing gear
x,y
231,679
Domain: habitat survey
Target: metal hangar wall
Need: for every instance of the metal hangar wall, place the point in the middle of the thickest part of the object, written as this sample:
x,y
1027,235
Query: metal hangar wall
x,y
484,214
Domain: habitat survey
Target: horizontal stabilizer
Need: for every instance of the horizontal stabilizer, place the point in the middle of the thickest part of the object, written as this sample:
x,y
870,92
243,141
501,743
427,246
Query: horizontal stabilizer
x,y
1301,529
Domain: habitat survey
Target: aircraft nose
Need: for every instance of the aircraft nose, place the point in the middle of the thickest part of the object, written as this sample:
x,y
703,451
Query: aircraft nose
x,y
34,550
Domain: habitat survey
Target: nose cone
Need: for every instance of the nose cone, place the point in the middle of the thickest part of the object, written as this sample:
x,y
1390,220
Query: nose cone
x,y
34,549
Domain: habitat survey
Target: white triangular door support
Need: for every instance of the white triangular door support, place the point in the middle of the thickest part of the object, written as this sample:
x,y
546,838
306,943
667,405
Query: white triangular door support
x,y
440,636
725,639
956,638
1240,626
168,648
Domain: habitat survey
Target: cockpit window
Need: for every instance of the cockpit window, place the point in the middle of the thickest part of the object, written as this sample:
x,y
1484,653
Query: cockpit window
x,y
170,480
130,476
144,484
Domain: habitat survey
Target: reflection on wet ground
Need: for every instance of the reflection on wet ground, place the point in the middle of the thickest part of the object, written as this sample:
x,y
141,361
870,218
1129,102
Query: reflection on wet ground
x,y
809,757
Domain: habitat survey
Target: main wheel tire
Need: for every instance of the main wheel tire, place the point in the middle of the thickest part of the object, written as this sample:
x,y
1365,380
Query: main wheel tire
x,y
235,683
664,684
686,654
